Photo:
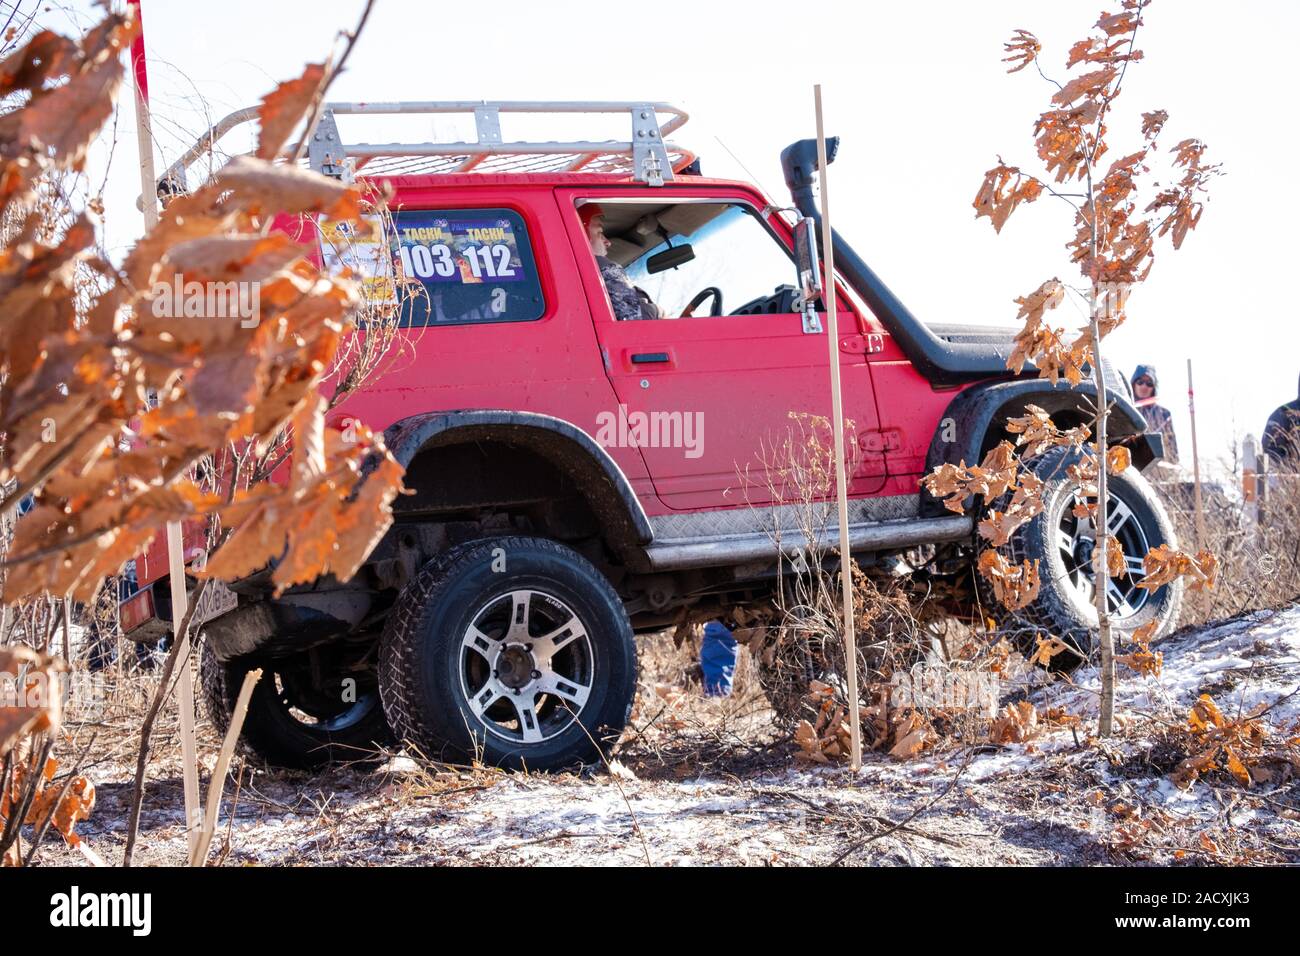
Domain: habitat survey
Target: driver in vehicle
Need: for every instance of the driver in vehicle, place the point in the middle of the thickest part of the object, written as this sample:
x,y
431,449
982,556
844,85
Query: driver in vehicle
x,y
629,301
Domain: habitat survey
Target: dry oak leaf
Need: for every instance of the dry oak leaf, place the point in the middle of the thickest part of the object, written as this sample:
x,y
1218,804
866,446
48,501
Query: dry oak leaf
x,y
1036,433
1236,767
262,186
1153,123
809,745
1205,715
326,526
1014,585
284,107
1190,769
1066,138
1058,717
1047,296
1022,49
64,809
77,570
1016,724
1143,634
1004,188
1056,358
911,735
1164,565
1097,50
1025,504
1047,647
1086,86
991,478
1115,565
1126,21
1188,152
58,122
1035,428
45,55
948,482
1146,662
246,258
1118,459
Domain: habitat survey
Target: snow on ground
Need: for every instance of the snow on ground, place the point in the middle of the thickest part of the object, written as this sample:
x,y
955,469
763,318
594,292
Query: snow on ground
x,y
1241,663
1060,798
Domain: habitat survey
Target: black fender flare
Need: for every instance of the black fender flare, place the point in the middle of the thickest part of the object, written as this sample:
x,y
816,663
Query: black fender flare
x,y
599,478
968,419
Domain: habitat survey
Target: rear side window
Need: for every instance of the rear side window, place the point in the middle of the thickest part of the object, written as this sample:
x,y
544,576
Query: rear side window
x,y
465,266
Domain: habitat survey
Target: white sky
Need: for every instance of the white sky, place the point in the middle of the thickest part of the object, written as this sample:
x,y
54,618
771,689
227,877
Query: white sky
x,y
920,98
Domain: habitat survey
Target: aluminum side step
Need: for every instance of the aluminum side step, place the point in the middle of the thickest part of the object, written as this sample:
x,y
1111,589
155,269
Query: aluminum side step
x,y
672,554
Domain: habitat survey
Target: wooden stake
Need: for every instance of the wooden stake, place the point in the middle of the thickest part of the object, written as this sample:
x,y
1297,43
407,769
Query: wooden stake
x,y
837,425
1196,462
217,785
175,541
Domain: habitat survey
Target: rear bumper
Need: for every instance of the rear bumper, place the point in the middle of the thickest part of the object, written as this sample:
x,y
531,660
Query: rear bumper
x,y
146,616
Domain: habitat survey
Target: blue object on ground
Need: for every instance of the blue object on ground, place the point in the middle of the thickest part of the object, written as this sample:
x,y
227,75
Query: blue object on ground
x,y
718,659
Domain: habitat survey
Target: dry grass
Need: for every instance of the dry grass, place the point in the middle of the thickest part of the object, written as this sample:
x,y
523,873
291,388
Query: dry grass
x,y
1096,802
678,733
1258,550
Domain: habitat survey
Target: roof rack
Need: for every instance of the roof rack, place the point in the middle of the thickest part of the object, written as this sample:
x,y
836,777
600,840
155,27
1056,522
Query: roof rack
x,y
646,156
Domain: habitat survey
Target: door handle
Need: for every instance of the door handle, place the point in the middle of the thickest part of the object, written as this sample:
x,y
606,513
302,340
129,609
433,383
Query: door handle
x,y
651,358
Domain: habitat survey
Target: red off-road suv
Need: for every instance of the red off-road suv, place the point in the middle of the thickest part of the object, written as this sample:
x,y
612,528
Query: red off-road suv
x,y
576,479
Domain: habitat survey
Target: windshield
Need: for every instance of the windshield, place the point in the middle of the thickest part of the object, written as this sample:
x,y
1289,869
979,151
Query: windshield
x,y
734,251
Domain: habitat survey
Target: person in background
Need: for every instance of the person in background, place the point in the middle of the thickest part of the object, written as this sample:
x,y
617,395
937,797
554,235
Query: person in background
x,y
1158,419
718,651
629,302
1282,436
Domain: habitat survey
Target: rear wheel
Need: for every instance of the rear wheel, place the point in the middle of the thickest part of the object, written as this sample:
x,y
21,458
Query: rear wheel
x,y
515,651
1063,545
305,712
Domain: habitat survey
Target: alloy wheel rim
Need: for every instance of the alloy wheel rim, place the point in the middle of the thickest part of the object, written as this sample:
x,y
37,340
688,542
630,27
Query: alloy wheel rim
x,y
1076,539
526,666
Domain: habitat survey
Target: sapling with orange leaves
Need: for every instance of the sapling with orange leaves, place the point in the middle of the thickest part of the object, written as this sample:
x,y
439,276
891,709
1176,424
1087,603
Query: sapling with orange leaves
x,y
1120,213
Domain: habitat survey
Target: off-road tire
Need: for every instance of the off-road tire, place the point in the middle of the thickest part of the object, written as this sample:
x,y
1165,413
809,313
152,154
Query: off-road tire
x,y
421,669
270,733
1060,610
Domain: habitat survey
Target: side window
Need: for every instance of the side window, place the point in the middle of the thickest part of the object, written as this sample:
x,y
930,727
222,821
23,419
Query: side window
x,y
464,266
734,252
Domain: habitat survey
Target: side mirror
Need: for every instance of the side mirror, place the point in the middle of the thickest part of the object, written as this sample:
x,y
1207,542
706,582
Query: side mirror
x,y
670,258
809,278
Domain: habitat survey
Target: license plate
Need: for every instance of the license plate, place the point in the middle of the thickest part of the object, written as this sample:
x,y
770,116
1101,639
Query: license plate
x,y
217,600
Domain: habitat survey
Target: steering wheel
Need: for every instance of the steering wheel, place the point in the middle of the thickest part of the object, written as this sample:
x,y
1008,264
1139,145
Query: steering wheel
x,y
700,296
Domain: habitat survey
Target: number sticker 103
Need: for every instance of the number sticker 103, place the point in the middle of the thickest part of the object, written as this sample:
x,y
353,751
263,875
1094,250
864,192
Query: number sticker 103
x,y
437,261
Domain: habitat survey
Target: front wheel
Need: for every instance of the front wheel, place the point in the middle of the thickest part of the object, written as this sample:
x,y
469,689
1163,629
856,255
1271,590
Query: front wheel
x,y
514,651
1063,544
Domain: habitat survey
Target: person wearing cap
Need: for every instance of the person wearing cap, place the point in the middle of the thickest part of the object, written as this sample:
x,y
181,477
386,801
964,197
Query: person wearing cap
x,y
1282,436
1158,419
629,302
